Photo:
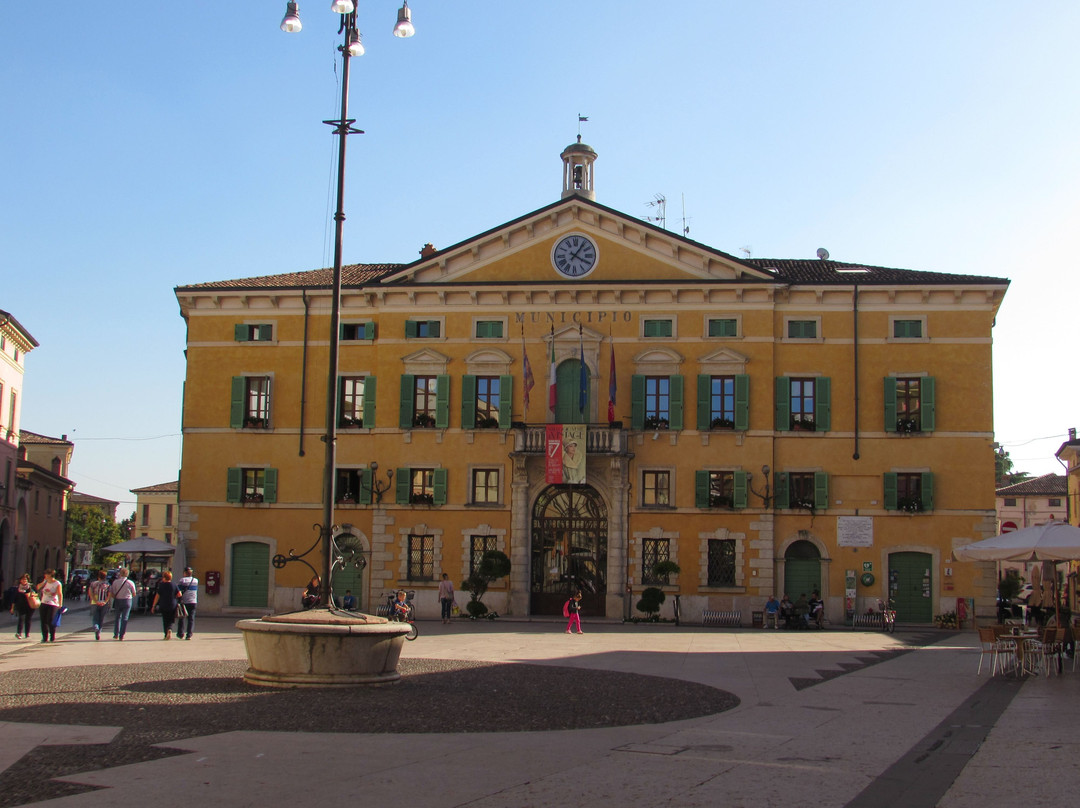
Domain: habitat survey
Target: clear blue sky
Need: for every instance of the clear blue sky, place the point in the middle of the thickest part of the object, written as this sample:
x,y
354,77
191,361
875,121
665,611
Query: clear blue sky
x,y
176,143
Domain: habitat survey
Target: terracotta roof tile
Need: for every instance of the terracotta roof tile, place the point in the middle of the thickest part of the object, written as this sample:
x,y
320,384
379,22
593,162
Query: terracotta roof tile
x,y
351,275
160,488
1049,485
816,271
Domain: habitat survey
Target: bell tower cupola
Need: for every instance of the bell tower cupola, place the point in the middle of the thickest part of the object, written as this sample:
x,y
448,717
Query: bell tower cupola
x,y
578,173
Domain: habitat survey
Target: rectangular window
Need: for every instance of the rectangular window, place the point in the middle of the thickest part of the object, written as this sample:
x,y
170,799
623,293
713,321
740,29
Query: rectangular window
x,y
485,486
802,329
802,404
145,515
422,486
253,332
348,486
253,482
909,493
657,328
421,558
423,329
425,391
489,329
354,332
488,398
721,489
722,402
168,515
653,551
257,402
721,562
801,490
1010,502
907,329
908,410
1054,502
655,488
724,327
657,402
478,545
351,405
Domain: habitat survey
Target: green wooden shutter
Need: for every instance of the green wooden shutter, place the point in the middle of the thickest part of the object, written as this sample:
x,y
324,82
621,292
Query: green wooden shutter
x,y
783,496
270,485
368,331
890,404
411,329
438,486
442,401
823,404
266,333
236,402
675,402
407,405
240,332
783,404
742,401
369,402
235,481
821,490
926,403
506,401
890,491
927,485
704,402
363,496
701,489
637,401
739,497
468,401
402,486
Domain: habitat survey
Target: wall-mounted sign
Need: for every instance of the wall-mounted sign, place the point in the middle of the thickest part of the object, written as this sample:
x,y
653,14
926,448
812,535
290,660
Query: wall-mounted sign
x,y
855,531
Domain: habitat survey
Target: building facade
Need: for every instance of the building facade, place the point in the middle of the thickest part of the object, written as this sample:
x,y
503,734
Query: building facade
x,y
1032,502
43,491
156,511
15,343
591,394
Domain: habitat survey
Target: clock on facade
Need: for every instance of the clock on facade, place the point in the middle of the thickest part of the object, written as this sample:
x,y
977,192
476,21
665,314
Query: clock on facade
x,y
574,255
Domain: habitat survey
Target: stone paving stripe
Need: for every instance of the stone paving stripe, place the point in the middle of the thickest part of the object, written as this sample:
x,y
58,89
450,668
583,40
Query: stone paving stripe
x,y
921,777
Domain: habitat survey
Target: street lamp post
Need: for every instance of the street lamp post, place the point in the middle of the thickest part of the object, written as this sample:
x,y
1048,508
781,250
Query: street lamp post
x,y
352,45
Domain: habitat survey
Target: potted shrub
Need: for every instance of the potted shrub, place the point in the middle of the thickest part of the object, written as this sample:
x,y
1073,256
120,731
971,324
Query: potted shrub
x,y
493,565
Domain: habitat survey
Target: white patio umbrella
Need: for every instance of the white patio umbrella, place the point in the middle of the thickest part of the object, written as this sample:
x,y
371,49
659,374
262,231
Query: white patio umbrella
x,y
1054,541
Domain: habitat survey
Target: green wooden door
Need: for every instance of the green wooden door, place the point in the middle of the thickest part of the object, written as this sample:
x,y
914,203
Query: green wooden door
x,y
802,570
911,586
349,579
568,389
249,583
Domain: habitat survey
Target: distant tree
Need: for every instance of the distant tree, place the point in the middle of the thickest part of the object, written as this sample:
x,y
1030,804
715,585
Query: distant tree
x,y
90,527
1003,470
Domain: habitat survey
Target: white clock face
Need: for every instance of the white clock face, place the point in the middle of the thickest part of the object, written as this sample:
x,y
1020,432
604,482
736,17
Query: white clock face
x,y
574,255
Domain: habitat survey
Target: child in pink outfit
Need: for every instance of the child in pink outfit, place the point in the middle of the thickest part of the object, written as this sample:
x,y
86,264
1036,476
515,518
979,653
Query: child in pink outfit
x,y
573,611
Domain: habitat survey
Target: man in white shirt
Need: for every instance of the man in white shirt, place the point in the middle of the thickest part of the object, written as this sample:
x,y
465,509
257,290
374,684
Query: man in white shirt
x,y
189,596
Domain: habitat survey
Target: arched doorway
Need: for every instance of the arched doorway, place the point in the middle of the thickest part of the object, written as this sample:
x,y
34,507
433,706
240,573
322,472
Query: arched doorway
x,y
569,549
802,569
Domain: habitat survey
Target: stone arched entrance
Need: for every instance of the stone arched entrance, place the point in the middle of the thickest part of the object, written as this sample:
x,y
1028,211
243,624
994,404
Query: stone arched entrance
x,y
569,549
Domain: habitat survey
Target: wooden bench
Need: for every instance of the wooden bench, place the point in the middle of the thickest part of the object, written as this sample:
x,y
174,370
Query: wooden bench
x,y
724,619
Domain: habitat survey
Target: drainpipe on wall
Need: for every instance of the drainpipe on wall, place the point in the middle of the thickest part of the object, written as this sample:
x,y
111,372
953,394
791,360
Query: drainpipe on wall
x,y
303,369
855,342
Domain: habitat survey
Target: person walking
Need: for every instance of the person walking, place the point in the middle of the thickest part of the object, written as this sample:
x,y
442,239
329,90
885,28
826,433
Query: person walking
x,y
52,598
98,594
20,607
189,597
165,602
121,591
572,610
446,596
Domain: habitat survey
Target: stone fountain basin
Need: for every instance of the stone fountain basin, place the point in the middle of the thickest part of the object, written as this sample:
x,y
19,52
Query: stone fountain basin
x,y
322,648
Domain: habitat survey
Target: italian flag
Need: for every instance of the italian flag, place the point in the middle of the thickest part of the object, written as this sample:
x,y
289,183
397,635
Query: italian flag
x,y
551,374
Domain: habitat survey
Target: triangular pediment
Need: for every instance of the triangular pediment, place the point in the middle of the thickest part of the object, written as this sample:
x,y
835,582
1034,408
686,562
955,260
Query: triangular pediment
x,y
628,250
723,361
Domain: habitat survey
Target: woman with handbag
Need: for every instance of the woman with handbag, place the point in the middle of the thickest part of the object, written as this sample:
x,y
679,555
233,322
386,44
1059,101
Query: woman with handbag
x,y
21,608
165,600
52,599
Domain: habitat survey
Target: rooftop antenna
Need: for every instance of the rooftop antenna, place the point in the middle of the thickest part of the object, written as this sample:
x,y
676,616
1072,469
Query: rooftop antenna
x,y
747,250
660,202
822,253
685,221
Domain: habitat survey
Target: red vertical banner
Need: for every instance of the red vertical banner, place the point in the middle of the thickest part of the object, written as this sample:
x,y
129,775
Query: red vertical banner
x,y
554,451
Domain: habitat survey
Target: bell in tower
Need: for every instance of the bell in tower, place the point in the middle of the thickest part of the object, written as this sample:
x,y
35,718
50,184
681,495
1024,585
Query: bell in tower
x,y
578,174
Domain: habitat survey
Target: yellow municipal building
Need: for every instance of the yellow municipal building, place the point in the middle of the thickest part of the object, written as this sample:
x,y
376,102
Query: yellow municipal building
x,y
591,394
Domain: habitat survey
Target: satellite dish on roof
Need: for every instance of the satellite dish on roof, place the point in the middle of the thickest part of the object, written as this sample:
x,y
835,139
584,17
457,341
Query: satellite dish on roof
x,y
822,253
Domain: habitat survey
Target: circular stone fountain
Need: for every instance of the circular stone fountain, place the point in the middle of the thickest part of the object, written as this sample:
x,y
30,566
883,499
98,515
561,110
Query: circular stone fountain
x,y
322,648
